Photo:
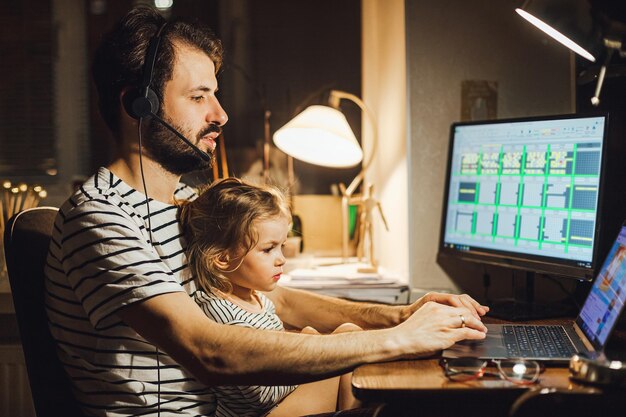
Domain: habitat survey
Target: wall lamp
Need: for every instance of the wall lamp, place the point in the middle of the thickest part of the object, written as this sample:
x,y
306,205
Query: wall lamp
x,y
584,26
321,135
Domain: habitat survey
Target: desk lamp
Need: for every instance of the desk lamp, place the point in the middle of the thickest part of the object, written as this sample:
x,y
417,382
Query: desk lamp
x,y
584,26
321,135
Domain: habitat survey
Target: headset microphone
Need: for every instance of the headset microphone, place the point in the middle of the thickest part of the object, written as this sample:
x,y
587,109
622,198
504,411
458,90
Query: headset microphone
x,y
203,155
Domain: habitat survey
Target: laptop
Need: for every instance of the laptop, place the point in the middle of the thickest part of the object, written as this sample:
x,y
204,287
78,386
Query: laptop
x,y
553,343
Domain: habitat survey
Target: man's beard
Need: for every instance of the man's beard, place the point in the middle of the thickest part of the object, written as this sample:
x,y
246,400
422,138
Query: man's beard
x,y
174,155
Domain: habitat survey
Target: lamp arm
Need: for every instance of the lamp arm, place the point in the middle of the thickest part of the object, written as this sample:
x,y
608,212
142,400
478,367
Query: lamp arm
x,y
333,100
355,183
611,46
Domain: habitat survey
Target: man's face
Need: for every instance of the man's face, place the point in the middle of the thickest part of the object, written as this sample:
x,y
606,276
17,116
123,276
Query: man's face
x,y
190,106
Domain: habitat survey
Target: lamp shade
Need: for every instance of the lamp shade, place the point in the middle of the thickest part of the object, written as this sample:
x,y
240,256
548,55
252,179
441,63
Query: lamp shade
x,y
320,135
569,22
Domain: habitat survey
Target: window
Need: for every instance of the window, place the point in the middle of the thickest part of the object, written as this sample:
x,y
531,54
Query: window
x,y
27,122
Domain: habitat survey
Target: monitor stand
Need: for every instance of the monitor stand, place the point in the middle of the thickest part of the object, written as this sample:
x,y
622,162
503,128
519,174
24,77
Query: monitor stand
x,y
523,306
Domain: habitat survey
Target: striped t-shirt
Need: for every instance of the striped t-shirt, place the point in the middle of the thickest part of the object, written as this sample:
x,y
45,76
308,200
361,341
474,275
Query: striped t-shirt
x,y
101,260
244,401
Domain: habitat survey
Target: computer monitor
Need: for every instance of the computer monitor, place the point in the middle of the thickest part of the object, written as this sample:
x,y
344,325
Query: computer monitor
x,y
526,193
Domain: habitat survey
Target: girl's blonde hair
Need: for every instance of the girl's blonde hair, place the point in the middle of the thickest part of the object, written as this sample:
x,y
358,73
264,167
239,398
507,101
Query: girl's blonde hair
x,y
218,226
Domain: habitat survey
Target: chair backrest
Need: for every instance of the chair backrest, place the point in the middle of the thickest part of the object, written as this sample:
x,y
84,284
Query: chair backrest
x,y
26,241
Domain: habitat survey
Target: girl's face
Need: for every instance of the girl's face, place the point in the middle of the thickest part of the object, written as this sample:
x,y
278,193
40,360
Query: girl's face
x,y
261,267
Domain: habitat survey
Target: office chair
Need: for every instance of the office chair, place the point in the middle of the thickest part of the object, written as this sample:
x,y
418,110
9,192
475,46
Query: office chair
x,y
26,240
550,402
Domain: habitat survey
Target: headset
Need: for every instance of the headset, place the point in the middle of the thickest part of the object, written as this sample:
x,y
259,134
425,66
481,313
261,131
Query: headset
x,y
142,102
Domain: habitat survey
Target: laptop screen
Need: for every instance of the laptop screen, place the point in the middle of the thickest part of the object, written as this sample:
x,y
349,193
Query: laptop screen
x,y
605,301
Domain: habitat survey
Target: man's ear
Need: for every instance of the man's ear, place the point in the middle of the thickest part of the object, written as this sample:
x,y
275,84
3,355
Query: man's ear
x,y
127,96
127,125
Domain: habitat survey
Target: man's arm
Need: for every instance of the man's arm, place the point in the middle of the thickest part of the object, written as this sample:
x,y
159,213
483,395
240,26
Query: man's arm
x,y
232,355
298,308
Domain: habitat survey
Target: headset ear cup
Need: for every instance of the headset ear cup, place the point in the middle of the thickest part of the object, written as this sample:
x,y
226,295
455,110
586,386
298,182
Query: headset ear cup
x,y
138,106
153,101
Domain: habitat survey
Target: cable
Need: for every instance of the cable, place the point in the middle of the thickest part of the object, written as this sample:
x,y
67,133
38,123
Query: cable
x,y
568,293
513,285
158,383
145,191
486,283
143,181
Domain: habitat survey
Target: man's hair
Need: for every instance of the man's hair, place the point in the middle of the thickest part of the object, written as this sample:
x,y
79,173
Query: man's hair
x,y
219,227
119,60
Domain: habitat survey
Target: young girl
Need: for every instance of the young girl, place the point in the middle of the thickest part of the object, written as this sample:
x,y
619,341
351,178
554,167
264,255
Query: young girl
x,y
235,232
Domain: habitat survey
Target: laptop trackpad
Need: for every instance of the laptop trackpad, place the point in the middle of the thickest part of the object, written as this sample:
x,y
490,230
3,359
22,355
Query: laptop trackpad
x,y
492,347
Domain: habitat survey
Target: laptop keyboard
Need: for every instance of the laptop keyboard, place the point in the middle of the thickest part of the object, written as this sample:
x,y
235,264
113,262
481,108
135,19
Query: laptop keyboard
x,y
537,341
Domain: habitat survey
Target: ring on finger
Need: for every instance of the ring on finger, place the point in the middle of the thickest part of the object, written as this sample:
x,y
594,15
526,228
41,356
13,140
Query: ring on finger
x,y
462,320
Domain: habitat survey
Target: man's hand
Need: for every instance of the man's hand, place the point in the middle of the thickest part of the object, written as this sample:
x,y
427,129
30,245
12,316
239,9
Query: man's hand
x,y
473,307
437,326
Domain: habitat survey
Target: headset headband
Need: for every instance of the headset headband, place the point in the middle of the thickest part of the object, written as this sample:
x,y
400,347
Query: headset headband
x,y
148,66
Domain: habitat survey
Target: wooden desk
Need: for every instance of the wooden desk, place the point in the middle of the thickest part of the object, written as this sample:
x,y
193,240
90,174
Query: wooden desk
x,y
419,387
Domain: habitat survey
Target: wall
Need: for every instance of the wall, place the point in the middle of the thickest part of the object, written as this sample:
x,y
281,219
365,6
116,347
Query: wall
x,y
384,92
447,42
283,55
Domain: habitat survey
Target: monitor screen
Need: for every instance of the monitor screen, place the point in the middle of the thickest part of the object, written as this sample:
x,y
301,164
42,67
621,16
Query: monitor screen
x,y
526,193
